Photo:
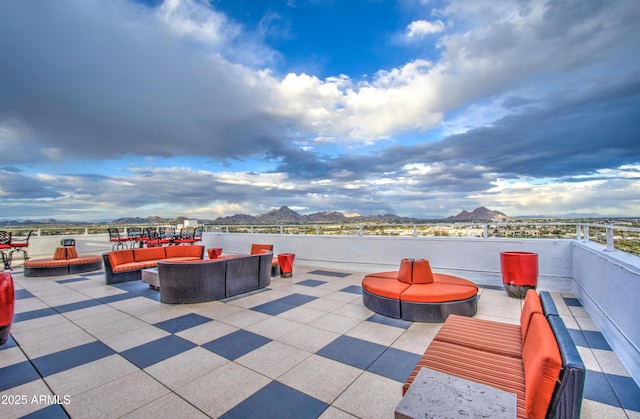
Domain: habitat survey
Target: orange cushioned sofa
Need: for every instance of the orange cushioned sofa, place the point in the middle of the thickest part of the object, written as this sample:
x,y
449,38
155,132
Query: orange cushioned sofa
x,y
536,360
415,293
65,261
256,249
127,265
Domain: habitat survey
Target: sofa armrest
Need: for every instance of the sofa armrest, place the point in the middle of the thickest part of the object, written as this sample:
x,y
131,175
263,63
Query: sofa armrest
x,y
548,306
567,397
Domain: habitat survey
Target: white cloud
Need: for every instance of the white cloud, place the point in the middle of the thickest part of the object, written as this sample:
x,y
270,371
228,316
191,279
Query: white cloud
x,y
499,49
197,20
418,29
339,108
611,196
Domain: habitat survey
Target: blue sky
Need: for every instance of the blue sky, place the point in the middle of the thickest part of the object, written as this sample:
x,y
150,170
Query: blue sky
x,y
114,108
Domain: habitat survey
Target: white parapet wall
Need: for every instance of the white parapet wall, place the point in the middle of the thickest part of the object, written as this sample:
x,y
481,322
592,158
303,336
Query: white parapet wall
x,y
474,258
607,284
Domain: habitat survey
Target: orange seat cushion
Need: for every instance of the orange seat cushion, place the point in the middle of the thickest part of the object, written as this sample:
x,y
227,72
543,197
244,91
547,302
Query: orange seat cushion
x,y
499,338
542,365
437,293
531,306
384,287
499,371
83,259
134,266
148,253
389,275
452,280
120,256
183,259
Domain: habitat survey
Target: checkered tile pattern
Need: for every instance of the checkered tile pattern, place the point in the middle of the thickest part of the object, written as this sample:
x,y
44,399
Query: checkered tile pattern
x,y
304,347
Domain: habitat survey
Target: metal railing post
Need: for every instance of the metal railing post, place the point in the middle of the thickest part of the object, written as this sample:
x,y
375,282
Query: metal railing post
x,y
586,237
317,230
611,247
415,230
578,231
360,230
281,230
485,233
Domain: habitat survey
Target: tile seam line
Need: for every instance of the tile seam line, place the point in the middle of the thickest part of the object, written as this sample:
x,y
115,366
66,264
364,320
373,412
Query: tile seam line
x,y
44,381
602,370
98,340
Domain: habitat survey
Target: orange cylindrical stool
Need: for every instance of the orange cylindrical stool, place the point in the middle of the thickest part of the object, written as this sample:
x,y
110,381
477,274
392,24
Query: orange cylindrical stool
x,y
285,260
7,299
519,272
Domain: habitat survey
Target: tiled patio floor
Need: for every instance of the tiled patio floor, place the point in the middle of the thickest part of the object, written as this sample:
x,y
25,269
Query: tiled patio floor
x,y
304,347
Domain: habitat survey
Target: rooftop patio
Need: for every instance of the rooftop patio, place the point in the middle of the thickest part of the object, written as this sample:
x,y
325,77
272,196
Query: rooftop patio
x,y
304,347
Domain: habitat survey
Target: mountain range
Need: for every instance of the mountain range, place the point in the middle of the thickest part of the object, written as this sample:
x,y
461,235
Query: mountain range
x,y
286,215
480,213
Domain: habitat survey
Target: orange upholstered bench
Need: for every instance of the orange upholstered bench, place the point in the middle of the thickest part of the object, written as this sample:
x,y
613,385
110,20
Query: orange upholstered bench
x,y
127,264
415,293
536,360
65,261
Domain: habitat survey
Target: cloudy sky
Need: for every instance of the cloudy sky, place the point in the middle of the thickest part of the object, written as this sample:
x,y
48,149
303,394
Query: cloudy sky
x,y
113,108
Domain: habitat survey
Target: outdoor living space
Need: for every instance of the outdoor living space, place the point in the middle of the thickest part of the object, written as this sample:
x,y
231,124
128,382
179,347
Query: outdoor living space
x,y
306,346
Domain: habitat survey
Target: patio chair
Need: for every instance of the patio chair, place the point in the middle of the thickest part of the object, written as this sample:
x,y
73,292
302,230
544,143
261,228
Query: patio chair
x,y
5,239
197,236
187,235
20,246
167,233
118,241
135,235
154,239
